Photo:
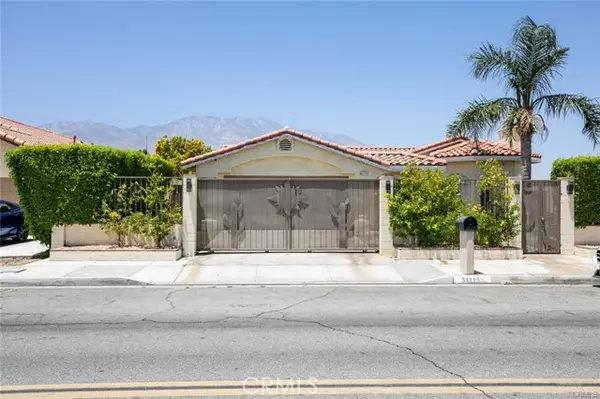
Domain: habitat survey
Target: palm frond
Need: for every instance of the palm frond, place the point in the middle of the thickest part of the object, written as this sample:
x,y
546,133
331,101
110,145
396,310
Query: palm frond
x,y
561,105
481,117
538,57
492,61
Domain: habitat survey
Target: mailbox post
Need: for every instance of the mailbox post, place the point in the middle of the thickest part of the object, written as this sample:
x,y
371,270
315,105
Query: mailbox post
x,y
467,226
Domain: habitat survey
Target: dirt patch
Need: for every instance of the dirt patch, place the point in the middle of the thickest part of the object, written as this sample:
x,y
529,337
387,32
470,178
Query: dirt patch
x,y
15,261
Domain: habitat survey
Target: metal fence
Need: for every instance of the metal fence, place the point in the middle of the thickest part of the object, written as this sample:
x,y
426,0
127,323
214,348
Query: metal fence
x,y
470,192
133,187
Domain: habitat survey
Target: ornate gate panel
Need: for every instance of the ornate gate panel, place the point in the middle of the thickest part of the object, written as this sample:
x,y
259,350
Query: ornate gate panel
x,y
288,215
541,216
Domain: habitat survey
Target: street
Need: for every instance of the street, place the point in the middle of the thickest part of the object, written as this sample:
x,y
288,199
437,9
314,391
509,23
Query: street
x,y
467,341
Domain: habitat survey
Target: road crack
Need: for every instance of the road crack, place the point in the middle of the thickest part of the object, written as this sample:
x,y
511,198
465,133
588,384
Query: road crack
x,y
281,310
383,341
169,300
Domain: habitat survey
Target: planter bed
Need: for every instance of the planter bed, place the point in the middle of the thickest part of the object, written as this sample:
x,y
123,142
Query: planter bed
x,y
406,253
114,253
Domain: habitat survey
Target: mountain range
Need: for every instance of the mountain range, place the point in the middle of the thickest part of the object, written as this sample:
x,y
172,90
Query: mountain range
x,y
214,131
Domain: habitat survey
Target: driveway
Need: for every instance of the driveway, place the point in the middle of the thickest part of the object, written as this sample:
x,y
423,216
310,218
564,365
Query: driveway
x,y
10,249
300,268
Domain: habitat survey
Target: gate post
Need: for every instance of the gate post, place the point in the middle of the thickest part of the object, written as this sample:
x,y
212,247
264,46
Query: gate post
x,y
190,215
567,216
516,192
386,237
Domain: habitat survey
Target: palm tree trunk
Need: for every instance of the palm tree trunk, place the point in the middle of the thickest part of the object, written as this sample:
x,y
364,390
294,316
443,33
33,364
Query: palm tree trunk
x,y
526,157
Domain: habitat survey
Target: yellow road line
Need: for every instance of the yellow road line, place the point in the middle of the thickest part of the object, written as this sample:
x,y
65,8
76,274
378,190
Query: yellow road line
x,y
304,391
289,387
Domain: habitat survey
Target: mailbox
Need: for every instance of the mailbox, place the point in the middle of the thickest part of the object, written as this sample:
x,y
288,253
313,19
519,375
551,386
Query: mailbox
x,y
466,223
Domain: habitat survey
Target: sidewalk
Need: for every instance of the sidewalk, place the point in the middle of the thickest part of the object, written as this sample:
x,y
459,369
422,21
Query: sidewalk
x,y
300,269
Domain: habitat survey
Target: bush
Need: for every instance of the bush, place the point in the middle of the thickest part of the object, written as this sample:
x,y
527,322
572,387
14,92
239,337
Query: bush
x,y
158,212
424,207
498,220
67,184
585,171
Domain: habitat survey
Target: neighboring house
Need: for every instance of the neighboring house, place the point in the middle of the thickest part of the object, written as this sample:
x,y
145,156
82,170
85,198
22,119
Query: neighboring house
x,y
14,134
289,153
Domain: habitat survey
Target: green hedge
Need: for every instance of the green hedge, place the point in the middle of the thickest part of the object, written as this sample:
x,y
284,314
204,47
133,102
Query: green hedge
x,y
66,184
585,170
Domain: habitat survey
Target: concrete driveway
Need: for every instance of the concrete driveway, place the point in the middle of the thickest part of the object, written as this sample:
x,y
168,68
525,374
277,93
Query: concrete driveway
x,y
301,268
10,249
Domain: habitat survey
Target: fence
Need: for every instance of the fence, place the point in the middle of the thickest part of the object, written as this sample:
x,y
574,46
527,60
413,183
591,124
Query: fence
x,y
132,188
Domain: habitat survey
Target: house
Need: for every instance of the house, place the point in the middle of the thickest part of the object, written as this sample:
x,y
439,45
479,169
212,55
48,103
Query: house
x,y
14,134
288,191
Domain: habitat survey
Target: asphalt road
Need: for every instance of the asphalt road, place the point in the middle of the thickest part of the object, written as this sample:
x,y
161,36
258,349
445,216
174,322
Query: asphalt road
x,y
397,340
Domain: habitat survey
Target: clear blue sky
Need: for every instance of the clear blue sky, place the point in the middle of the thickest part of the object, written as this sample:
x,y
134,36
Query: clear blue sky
x,y
384,73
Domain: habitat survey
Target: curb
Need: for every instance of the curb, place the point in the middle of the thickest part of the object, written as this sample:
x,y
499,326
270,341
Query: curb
x,y
120,281
72,282
546,280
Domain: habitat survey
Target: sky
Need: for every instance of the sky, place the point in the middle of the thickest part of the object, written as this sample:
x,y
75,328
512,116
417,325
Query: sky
x,y
390,73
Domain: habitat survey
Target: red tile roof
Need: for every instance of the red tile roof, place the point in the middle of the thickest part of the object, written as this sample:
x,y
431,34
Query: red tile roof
x,y
464,147
377,148
434,154
396,157
19,133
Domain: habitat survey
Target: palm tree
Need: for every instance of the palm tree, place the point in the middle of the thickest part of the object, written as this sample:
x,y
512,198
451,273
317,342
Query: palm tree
x,y
527,68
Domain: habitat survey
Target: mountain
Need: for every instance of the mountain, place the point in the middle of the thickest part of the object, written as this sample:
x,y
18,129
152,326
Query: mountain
x,y
212,130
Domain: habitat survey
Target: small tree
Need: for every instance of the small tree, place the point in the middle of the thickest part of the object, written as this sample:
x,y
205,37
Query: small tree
x,y
161,213
177,149
498,219
424,207
115,213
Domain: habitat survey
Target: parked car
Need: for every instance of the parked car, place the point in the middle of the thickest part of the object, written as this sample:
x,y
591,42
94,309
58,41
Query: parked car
x,y
12,222
596,260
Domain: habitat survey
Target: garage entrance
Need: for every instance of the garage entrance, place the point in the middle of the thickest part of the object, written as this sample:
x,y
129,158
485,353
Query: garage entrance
x,y
288,215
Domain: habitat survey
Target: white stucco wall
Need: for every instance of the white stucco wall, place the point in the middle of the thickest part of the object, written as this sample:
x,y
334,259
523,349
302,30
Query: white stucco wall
x,y
82,235
589,235
4,147
305,160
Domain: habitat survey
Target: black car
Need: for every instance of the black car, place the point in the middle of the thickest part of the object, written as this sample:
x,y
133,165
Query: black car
x,y
12,222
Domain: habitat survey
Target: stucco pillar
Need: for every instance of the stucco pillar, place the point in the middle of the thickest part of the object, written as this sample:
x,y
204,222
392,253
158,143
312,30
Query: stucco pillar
x,y
567,217
515,190
190,215
386,237
58,237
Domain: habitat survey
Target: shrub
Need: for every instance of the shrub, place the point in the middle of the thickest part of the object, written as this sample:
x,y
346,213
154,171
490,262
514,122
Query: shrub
x,y
498,220
158,212
585,171
424,207
67,184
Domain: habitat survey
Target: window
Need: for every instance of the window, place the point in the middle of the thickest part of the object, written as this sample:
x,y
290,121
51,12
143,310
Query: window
x,y
4,207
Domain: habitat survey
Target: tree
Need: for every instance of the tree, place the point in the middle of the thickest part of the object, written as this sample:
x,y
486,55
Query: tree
x,y
527,67
177,149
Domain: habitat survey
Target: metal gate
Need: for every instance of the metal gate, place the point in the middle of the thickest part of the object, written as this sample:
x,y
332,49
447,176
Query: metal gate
x,y
288,215
541,216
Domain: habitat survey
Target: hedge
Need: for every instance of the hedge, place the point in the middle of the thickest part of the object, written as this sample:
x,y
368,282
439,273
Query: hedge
x,y
66,184
585,171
